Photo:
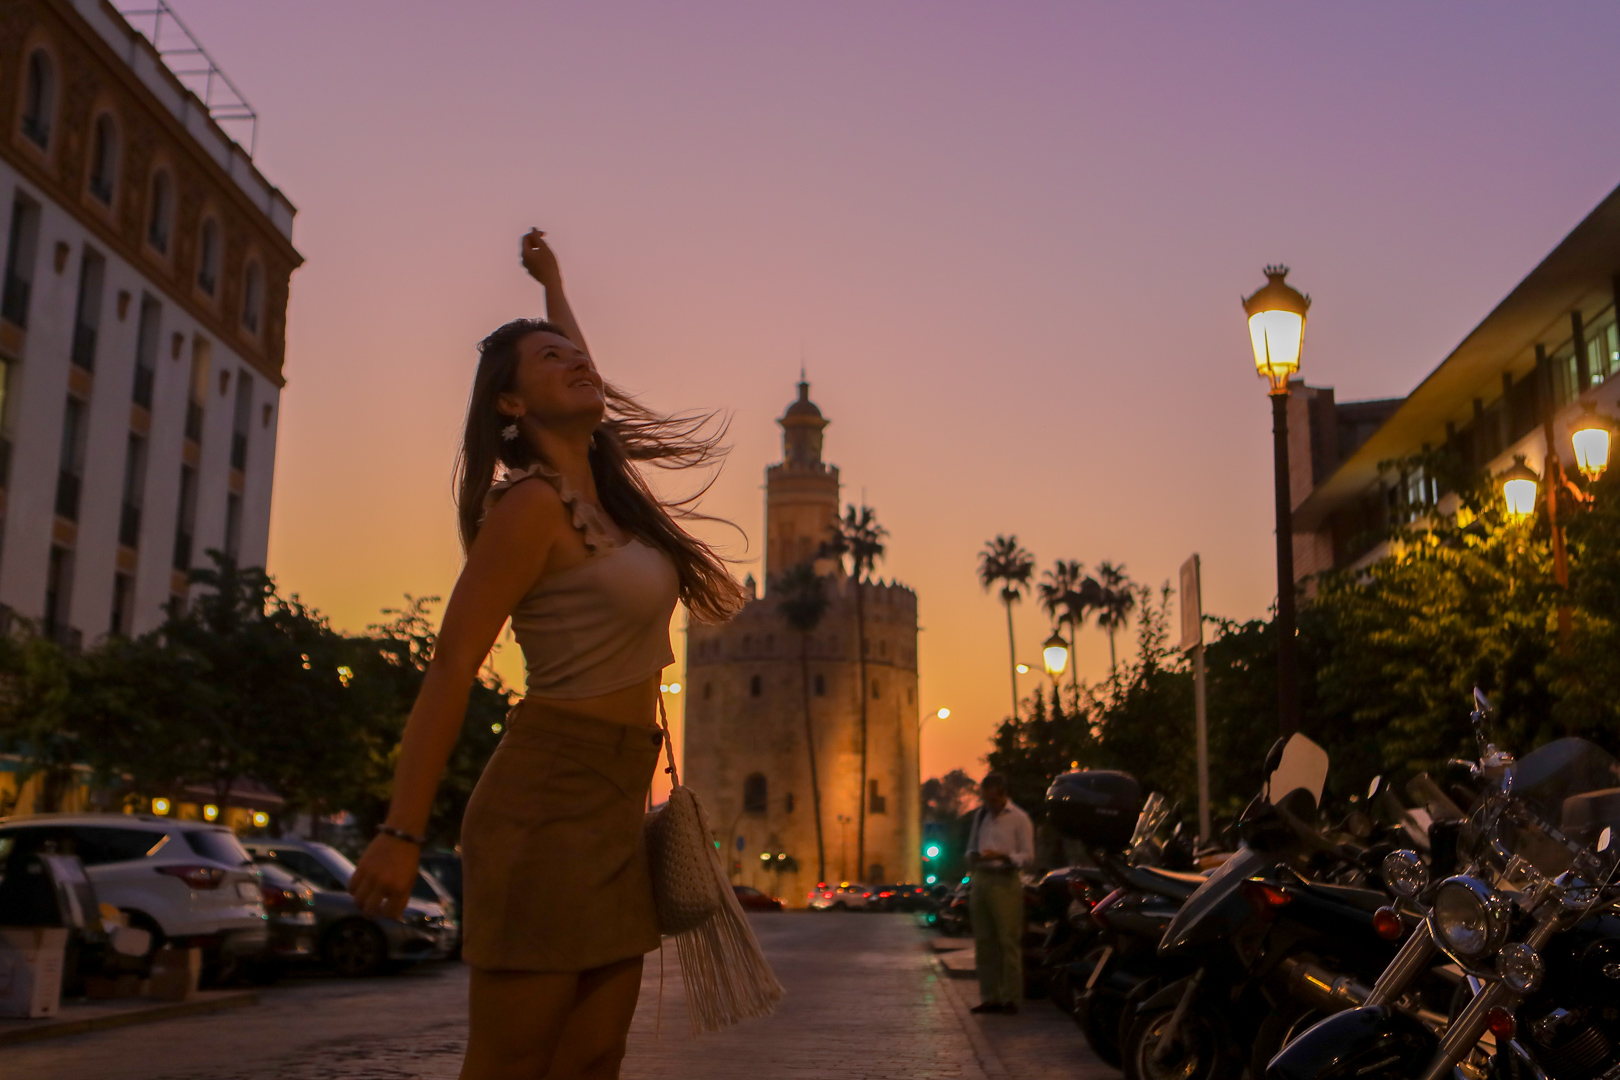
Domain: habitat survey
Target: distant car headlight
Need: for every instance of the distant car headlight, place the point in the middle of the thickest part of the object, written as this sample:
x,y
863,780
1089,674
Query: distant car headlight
x,y
1520,967
1469,919
1405,873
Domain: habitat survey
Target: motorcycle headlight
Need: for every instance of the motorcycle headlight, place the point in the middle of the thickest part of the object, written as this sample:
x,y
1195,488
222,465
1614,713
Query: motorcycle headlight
x,y
1468,919
1405,873
1520,967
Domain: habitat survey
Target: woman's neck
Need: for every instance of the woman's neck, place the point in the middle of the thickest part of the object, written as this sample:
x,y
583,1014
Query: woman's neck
x,y
569,453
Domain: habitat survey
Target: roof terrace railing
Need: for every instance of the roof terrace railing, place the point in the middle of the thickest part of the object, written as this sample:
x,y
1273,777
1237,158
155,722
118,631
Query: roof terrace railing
x,y
189,62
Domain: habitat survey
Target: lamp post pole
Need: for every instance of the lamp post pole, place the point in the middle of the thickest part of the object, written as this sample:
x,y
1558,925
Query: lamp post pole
x,y
1287,664
1276,314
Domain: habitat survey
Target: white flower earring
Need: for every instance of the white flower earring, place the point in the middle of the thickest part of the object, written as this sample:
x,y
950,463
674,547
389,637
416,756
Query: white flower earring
x,y
509,432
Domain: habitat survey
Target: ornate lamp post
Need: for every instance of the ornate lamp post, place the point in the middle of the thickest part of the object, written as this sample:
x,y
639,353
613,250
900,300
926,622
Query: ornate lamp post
x,y
1055,653
1277,331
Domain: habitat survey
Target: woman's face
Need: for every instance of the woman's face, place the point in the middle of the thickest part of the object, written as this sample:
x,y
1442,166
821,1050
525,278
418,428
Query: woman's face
x,y
555,383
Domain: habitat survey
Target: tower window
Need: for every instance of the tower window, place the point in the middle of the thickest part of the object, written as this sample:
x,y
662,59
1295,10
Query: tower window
x,y
755,794
875,802
787,803
875,693
708,691
821,686
756,686
39,100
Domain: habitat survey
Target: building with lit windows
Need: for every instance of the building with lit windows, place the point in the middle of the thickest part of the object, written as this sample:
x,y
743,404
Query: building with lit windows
x,y
1552,343
748,743
142,326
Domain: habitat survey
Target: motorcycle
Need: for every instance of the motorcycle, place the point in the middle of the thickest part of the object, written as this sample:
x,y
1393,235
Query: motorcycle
x,y
1529,922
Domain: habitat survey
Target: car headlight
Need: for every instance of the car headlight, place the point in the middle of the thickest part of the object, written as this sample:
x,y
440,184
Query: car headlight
x,y
1520,967
1469,919
1405,873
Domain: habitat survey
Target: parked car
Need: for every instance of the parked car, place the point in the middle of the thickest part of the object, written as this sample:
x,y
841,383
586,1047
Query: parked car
x,y
187,883
445,866
899,897
752,899
842,897
349,941
289,903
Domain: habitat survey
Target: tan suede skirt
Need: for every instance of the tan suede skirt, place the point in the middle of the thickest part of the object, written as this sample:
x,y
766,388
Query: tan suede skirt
x,y
554,868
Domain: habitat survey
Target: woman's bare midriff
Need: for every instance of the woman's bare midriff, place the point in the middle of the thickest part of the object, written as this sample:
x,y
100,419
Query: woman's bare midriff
x,y
640,700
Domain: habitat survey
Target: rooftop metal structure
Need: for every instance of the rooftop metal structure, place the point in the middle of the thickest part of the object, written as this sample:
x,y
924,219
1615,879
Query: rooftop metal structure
x,y
189,61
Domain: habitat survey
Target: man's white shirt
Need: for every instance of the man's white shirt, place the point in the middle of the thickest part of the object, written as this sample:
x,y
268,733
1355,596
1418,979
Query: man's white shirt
x,y
1009,832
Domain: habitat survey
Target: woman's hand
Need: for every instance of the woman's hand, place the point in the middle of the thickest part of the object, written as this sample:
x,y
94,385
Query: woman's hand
x,y
539,260
383,881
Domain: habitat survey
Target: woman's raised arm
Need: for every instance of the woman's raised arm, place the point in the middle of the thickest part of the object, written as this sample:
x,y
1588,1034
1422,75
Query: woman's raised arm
x,y
541,263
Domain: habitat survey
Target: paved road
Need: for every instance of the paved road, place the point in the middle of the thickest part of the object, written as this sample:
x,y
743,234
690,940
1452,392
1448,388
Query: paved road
x,y
865,1000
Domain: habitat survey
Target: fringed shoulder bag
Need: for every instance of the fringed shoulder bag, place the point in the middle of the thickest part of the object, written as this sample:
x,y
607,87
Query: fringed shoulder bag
x,y
726,975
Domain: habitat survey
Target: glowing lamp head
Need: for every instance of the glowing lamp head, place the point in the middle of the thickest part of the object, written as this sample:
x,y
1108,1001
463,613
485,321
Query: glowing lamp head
x,y
1023,669
944,714
1591,436
1519,488
1055,653
160,807
260,819
1277,327
210,812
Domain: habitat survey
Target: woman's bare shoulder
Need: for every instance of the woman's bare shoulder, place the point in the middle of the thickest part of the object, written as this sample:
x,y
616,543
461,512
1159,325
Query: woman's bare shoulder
x,y
528,507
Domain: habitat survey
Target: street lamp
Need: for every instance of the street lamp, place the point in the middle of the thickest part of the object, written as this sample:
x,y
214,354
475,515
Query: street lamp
x,y
1277,331
1591,437
1055,653
1519,484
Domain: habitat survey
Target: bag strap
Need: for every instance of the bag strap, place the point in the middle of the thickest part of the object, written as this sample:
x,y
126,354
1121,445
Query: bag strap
x,y
669,744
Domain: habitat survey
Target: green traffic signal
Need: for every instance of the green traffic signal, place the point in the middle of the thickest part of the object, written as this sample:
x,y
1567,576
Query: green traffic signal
x,y
931,851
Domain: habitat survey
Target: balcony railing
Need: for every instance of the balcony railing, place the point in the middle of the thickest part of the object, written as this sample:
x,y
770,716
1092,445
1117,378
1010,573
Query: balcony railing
x,y
143,386
182,550
84,346
67,495
194,421
129,526
238,451
14,300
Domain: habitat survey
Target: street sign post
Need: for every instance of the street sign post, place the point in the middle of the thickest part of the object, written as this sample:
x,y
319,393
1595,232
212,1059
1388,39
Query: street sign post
x,y
1192,640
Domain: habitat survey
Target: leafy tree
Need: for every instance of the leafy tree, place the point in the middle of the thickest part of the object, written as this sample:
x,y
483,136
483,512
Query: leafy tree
x,y
803,604
859,537
945,798
1005,562
35,699
1068,595
1115,601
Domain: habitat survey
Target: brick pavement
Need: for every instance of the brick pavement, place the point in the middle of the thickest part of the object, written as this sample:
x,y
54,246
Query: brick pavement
x,y
865,1001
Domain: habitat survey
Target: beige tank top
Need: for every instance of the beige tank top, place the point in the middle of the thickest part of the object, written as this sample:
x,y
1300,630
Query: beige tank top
x,y
599,626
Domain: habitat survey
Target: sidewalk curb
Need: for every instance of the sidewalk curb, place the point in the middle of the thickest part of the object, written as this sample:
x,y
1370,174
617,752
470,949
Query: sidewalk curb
x,y
989,1061
52,1029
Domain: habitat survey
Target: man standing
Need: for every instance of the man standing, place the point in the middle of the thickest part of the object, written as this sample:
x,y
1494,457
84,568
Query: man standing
x,y
1001,842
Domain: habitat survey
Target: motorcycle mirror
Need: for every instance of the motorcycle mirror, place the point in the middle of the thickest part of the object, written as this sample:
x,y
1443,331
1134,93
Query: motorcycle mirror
x,y
1481,702
1273,757
1303,765
1604,838
1372,788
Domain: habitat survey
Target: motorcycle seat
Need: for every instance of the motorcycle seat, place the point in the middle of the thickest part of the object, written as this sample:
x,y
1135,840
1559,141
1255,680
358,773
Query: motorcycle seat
x,y
1172,884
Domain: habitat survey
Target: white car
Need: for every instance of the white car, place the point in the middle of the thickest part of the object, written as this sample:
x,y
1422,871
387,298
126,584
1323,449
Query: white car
x,y
188,882
847,896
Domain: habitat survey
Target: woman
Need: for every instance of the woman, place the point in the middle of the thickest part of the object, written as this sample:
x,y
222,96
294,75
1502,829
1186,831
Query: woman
x,y
588,564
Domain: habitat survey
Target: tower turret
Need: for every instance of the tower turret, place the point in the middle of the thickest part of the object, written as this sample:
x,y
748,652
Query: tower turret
x,y
801,493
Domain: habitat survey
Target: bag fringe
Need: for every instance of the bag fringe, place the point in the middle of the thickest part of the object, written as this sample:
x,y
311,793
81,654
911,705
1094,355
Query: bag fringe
x,y
724,971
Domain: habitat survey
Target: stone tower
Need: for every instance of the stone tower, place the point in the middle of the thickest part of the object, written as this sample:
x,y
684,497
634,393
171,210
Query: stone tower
x,y
748,742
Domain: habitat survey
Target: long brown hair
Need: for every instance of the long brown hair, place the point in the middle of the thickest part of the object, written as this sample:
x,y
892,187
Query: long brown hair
x,y
629,433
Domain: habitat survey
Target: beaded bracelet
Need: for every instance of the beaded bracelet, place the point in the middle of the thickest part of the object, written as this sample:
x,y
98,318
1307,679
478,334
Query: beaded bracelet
x,y
401,834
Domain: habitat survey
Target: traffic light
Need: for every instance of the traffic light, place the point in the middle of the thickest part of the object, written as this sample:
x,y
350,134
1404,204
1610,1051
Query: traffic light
x,y
931,851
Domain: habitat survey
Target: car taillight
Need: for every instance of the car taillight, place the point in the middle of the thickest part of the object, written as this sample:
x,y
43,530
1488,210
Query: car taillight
x,y
198,877
1266,899
279,899
826,896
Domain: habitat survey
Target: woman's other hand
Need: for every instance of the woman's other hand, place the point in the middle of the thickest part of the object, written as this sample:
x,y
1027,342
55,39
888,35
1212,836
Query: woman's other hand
x,y
539,260
383,881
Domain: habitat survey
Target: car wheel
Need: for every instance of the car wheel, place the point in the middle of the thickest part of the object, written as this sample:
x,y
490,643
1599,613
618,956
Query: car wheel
x,y
356,948
840,906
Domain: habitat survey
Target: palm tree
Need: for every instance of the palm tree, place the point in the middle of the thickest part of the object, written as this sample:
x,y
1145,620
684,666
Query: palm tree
x,y
802,605
1118,600
1068,596
1004,560
860,537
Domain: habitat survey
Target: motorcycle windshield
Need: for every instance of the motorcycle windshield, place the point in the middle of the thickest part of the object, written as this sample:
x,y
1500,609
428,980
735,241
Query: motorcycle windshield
x,y
1153,829
1552,810
1215,909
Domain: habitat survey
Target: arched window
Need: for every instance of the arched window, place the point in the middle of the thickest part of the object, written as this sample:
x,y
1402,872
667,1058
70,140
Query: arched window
x,y
104,159
755,687
39,99
160,212
821,686
252,297
754,794
208,256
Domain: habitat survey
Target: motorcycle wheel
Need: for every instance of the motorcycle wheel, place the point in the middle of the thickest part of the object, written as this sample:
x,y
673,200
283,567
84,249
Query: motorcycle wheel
x,y
1202,1049
1098,1015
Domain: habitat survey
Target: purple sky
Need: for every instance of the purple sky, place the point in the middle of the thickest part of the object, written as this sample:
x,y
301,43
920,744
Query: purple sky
x,y
1010,240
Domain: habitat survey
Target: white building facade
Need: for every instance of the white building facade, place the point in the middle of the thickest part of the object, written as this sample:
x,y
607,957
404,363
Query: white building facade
x,y
142,328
